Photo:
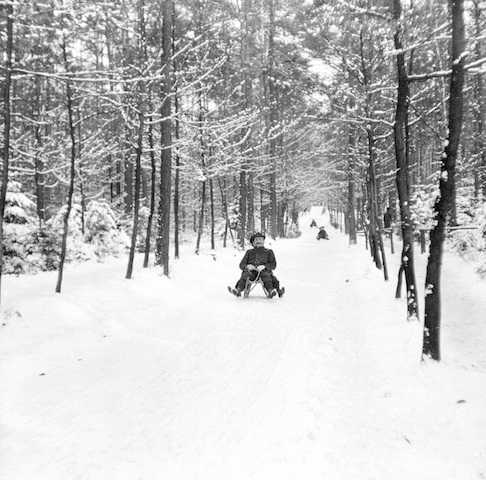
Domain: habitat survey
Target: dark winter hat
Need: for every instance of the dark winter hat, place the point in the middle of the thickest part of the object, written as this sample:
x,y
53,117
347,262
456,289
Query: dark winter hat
x,y
255,235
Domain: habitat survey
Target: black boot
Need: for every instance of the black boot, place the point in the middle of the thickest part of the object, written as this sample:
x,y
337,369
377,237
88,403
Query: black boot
x,y
235,291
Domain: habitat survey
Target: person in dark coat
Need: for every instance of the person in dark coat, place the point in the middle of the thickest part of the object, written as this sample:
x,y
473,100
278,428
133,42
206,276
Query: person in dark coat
x,y
313,223
322,234
258,260
388,218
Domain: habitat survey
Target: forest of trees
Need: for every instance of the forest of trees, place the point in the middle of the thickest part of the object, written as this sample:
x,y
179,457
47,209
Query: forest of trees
x,y
230,116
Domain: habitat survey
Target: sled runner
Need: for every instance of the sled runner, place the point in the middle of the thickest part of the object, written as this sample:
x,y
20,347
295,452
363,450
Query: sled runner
x,y
251,284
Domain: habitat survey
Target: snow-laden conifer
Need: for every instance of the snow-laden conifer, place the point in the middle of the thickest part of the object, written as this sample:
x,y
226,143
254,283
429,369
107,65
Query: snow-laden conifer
x,y
102,232
19,225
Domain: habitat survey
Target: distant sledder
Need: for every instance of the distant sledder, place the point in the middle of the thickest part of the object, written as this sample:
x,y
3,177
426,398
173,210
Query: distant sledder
x,y
257,267
322,234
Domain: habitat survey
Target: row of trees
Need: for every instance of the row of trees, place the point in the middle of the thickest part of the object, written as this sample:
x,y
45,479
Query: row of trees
x,y
407,97
232,116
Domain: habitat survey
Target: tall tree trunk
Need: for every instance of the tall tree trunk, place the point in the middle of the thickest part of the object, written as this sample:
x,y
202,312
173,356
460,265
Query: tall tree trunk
x,y
283,202
242,208
272,141
224,202
401,135
376,222
177,180
39,178
250,202
282,210
127,144
162,248
351,213
246,103
177,176
211,197
200,225
80,173
202,149
153,176
479,109
431,342
72,134
222,181
128,171
263,213
153,165
136,206
114,161
374,226
138,155
6,124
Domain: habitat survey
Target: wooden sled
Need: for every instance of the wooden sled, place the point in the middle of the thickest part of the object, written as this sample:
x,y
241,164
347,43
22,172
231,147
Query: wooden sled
x,y
251,284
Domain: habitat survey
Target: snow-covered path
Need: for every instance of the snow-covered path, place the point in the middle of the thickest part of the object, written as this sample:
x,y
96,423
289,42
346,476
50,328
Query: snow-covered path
x,y
154,379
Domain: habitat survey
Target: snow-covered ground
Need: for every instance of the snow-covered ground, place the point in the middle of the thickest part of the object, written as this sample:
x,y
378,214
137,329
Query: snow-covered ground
x,y
176,379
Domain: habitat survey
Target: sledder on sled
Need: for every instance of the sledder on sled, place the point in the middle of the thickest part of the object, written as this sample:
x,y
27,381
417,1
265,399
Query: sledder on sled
x,y
251,284
322,234
257,267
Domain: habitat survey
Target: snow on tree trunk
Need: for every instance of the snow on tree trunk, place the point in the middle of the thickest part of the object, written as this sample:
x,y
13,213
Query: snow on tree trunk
x,y
351,213
177,175
479,109
72,134
272,119
162,244
139,148
401,134
6,126
376,237
246,104
442,208
202,152
153,175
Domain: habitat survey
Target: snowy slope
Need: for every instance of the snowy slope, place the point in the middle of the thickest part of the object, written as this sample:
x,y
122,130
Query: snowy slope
x,y
176,379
